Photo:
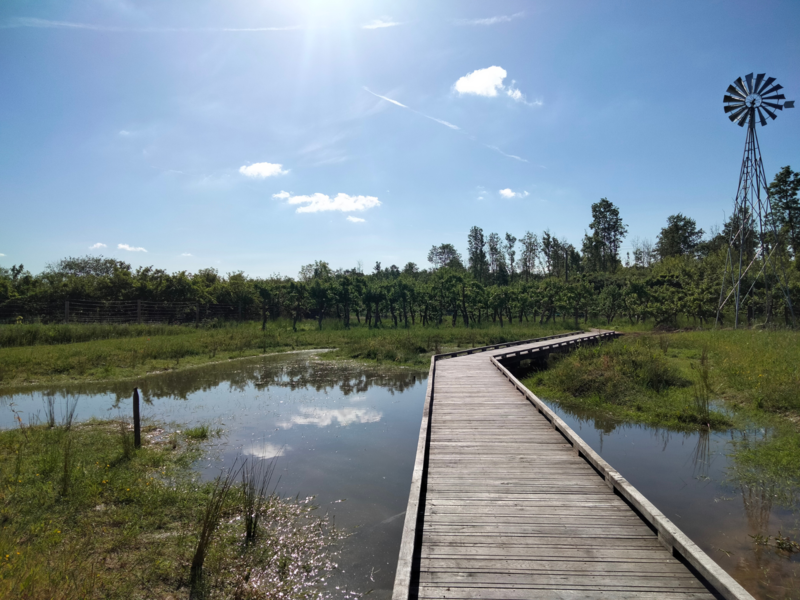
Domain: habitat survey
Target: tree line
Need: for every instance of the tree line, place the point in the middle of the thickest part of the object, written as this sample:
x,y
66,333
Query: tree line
x,y
501,279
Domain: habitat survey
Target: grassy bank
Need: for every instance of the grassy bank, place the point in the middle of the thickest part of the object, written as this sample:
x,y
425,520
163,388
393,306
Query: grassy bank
x,y
84,515
108,358
747,380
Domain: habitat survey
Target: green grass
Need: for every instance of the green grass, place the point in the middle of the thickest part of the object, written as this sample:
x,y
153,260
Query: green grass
x,y
83,515
631,379
750,380
126,357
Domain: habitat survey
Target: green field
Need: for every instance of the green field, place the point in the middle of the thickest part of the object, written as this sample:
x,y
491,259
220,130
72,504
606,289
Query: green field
x,y
85,515
37,354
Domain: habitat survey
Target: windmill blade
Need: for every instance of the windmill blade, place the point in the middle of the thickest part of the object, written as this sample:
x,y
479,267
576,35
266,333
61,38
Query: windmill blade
x,y
728,109
737,114
732,90
770,113
775,97
742,89
767,83
757,84
744,117
772,105
749,79
748,114
733,99
788,104
774,88
761,118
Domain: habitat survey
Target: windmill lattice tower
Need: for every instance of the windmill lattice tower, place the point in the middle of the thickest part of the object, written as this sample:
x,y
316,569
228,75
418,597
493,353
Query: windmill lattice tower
x,y
754,234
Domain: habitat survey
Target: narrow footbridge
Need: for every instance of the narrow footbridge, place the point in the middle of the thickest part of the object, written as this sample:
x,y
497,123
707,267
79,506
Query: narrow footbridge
x,y
507,502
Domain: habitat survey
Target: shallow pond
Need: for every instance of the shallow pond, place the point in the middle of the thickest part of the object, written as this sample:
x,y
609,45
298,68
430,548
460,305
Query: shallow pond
x,y
690,477
344,433
347,434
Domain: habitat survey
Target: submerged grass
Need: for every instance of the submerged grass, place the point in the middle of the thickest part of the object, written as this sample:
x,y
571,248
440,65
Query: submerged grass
x,y
126,357
84,516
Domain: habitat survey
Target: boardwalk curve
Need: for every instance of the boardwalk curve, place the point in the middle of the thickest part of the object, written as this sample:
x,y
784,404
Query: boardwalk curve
x,y
507,502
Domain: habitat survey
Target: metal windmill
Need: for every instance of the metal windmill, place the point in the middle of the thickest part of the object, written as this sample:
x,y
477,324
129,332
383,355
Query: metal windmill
x,y
754,234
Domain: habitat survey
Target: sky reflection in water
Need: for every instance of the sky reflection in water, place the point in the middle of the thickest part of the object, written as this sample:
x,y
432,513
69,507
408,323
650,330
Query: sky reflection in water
x,y
345,433
690,478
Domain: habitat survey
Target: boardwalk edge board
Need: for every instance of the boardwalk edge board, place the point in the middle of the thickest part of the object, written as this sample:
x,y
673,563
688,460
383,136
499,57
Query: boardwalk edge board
x,y
668,534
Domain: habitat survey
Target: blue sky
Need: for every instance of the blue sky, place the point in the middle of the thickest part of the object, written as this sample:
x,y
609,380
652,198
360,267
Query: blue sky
x,y
261,136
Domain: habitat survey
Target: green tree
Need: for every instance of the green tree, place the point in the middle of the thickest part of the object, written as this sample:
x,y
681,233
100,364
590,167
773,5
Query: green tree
x,y
783,195
680,237
601,248
530,255
476,251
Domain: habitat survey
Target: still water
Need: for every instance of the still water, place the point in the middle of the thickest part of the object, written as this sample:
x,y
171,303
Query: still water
x,y
344,433
691,478
347,434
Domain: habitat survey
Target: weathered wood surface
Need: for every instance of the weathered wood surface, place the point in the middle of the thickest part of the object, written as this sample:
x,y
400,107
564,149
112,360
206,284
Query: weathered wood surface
x,y
504,505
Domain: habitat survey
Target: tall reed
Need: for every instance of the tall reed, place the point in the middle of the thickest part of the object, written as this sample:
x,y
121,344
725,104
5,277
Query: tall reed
x,y
208,524
256,475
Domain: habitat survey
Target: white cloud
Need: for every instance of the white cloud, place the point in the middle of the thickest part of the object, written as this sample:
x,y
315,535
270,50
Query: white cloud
x,y
2,254
262,170
482,82
508,193
325,417
491,20
488,82
380,23
130,248
322,202
97,245
185,254
266,450
281,195
353,219
124,132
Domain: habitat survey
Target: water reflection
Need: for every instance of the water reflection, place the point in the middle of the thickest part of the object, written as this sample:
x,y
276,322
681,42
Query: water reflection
x,y
323,418
342,432
294,371
691,477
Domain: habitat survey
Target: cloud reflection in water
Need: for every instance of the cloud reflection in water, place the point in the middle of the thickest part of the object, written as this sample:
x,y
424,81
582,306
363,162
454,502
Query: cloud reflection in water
x,y
266,450
326,417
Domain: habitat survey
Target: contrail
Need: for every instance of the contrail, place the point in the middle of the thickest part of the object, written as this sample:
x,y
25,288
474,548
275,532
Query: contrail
x,y
46,24
445,123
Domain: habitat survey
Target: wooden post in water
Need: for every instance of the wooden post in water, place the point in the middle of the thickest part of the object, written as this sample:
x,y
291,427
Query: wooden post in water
x,y
137,426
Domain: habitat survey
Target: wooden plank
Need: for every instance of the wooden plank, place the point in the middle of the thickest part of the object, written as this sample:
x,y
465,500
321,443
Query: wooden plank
x,y
510,508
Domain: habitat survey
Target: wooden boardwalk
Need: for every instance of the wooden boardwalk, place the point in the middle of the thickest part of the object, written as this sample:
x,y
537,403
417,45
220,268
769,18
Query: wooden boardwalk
x,y
508,503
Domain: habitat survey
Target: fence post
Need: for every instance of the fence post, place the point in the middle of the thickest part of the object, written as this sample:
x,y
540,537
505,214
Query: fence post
x,y
240,310
139,312
196,316
137,426
66,312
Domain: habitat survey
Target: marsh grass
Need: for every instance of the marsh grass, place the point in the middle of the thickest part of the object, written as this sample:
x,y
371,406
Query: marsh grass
x,y
632,379
199,432
256,477
209,521
130,526
109,358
